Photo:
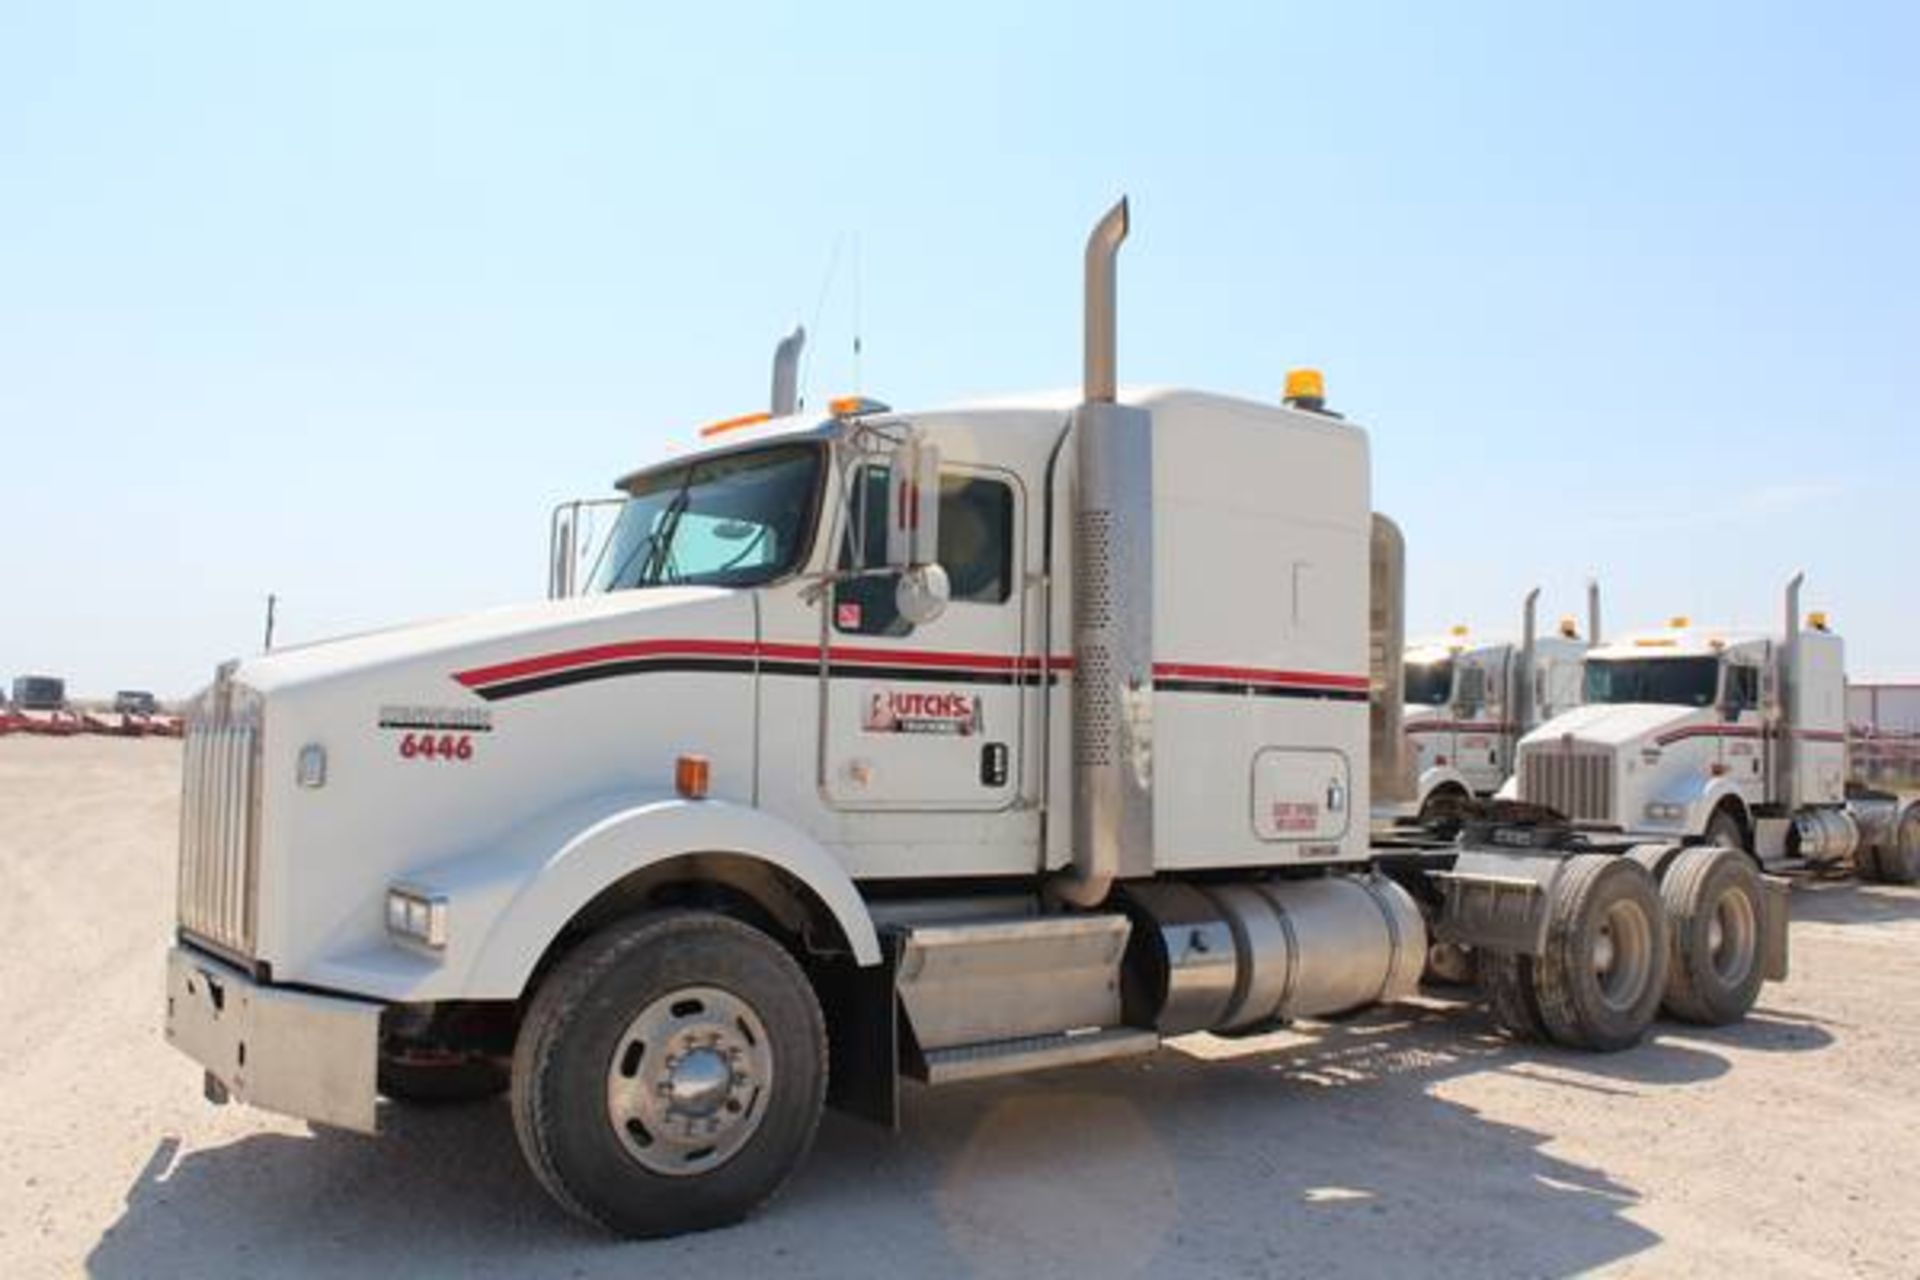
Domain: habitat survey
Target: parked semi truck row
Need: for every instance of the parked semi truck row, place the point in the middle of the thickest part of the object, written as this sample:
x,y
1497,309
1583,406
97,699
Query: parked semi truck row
x,y
1736,739
40,706
1468,702
883,746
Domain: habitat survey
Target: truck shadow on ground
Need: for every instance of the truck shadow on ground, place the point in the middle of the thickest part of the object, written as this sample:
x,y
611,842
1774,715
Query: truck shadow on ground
x,y
1836,901
1327,1151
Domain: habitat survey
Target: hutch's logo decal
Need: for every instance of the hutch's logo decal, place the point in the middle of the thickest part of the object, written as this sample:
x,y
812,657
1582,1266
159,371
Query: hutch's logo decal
x,y
436,733
913,711
450,719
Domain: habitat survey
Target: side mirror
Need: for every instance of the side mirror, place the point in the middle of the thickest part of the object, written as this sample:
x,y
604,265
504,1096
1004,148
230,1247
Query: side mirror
x,y
913,504
576,537
561,563
913,531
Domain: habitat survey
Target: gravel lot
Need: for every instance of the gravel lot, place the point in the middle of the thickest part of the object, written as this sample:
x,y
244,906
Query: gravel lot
x,y
1411,1140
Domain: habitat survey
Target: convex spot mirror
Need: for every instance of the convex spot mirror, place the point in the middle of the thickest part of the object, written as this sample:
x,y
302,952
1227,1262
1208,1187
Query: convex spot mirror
x,y
921,593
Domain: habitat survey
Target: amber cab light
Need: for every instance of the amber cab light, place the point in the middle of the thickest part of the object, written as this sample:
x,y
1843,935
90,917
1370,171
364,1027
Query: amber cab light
x,y
691,775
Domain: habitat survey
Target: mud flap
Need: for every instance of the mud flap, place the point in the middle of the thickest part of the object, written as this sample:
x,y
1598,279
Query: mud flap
x,y
1497,900
1775,908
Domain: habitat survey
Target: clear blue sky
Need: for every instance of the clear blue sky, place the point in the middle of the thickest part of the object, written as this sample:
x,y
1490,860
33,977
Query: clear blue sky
x,y
335,300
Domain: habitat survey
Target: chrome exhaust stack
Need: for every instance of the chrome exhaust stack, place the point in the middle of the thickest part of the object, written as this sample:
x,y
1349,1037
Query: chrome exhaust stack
x,y
1522,707
786,373
1786,719
1112,730
1593,612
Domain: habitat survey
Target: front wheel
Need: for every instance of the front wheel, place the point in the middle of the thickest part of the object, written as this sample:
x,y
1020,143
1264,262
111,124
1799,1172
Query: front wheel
x,y
670,1074
1725,830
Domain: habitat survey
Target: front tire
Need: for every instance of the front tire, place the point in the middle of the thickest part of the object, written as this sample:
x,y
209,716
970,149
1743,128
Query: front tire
x,y
670,1074
1725,830
1714,904
1443,813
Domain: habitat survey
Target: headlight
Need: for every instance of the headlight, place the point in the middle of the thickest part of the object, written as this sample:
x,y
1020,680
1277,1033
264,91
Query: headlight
x,y
1662,811
417,917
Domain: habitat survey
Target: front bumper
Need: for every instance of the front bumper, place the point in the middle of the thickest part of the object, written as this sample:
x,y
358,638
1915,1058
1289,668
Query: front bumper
x,y
310,1056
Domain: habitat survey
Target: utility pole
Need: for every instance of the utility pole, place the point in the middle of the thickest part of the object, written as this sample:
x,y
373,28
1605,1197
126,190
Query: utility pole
x,y
272,602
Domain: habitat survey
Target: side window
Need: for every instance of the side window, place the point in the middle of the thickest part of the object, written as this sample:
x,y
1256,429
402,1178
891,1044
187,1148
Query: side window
x,y
1743,688
976,549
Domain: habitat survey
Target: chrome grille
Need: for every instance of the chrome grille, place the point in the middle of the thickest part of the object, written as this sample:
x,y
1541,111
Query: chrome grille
x,y
219,827
1575,784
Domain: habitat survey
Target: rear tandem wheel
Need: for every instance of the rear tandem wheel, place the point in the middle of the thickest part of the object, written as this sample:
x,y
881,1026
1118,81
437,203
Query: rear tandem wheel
x,y
1600,978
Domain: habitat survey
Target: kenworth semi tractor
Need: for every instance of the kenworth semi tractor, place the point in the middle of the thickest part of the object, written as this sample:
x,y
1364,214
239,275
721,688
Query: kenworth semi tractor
x,y
1468,703
880,746
1732,738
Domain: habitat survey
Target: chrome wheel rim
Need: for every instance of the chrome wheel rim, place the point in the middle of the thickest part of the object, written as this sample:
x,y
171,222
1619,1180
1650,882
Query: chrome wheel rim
x,y
1623,955
687,1085
1732,937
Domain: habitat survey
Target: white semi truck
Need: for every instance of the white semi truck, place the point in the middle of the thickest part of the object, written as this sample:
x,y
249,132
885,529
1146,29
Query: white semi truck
x,y
1731,738
1469,702
1883,734
880,746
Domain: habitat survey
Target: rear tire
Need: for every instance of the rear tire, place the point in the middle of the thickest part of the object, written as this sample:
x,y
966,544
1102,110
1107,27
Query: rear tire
x,y
1716,913
1604,970
670,1074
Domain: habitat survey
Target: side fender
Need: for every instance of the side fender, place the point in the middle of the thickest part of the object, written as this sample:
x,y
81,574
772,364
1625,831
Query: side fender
x,y
1702,804
634,838
1432,779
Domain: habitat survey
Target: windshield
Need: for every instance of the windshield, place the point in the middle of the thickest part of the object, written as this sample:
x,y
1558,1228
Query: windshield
x,y
1679,682
736,521
1430,684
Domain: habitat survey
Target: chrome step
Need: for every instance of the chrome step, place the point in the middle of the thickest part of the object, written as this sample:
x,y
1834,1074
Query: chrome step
x,y
1035,1053
999,980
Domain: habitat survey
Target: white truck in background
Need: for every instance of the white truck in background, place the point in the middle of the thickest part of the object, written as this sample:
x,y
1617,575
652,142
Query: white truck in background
x,y
881,746
1467,704
1730,738
1883,734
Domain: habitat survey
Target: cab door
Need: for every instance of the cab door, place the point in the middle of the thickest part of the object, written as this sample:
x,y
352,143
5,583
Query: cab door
x,y
930,717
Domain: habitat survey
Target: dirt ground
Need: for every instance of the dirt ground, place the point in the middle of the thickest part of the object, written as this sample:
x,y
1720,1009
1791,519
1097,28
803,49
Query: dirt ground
x,y
1411,1141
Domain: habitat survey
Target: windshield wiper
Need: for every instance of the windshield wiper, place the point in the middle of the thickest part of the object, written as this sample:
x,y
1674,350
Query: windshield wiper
x,y
662,538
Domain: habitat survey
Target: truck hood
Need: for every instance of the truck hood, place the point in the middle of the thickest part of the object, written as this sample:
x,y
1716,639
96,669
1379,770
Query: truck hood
x,y
1618,724
512,627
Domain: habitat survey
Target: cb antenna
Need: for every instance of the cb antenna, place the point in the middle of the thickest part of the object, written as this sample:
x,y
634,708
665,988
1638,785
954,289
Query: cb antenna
x,y
857,387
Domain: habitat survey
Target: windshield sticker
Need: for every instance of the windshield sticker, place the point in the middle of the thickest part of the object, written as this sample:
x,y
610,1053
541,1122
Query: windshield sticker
x,y
908,711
